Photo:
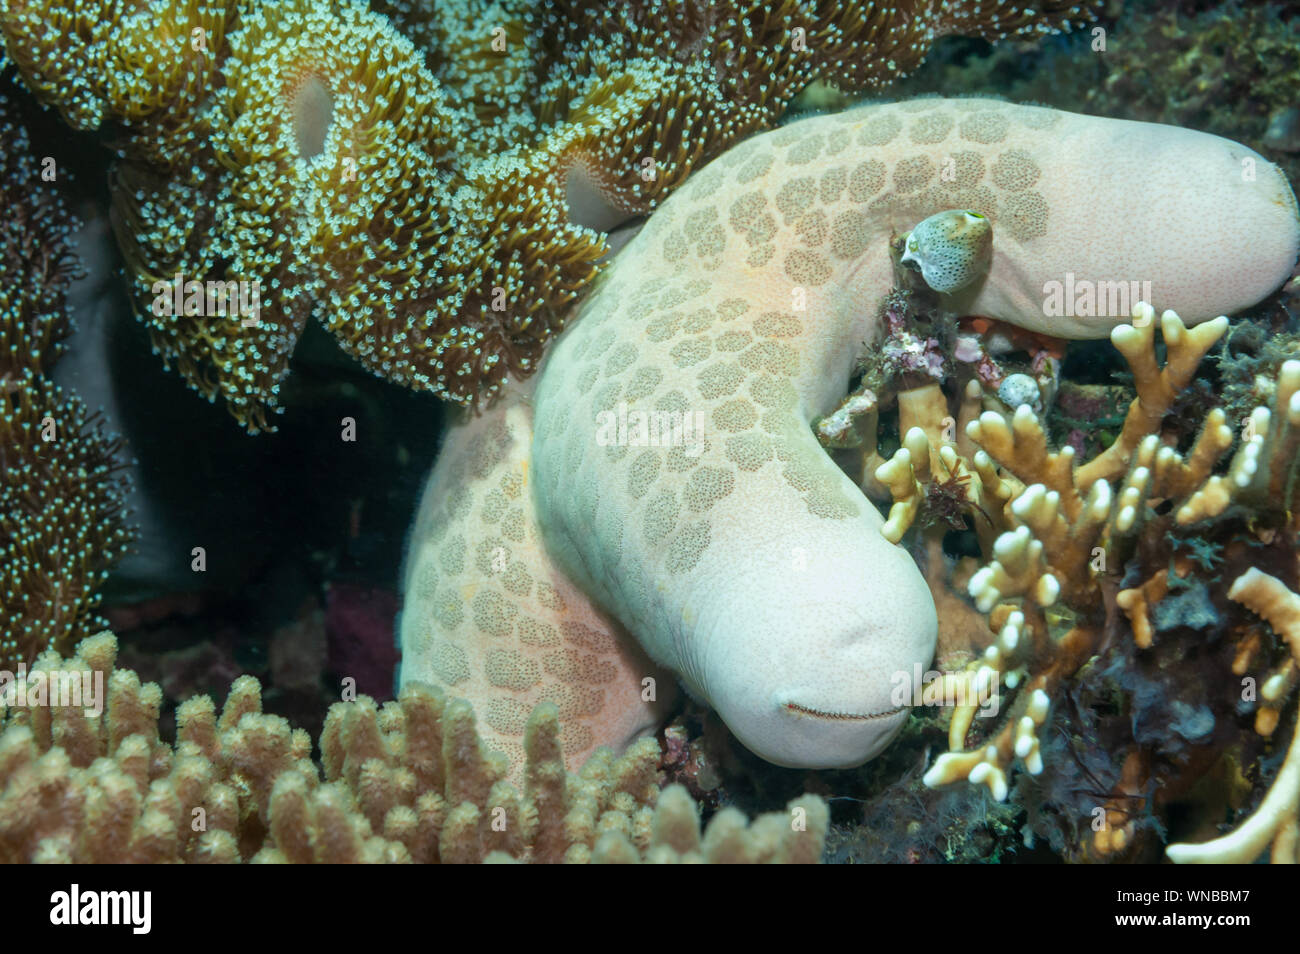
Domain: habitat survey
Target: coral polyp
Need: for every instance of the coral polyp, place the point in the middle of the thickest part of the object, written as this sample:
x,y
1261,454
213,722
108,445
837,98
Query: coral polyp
x,y
439,210
62,496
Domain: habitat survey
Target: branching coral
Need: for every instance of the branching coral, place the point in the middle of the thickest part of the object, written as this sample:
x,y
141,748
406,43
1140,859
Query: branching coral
x,y
1276,819
62,497
429,207
86,778
1157,388
1082,542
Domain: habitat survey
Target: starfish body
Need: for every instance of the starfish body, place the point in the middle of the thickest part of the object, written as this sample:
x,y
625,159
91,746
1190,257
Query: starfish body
x,y
675,479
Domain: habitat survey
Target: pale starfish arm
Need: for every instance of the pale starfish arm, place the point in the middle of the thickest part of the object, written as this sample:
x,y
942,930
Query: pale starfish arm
x,y
488,617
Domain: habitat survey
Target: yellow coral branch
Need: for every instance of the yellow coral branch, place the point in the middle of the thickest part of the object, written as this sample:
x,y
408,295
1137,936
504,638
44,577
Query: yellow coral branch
x,y
1157,387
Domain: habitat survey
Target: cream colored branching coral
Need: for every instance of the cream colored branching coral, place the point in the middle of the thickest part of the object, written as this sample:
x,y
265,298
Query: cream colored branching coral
x,y
1069,507
1041,587
1157,387
1261,476
793,837
87,779
1069,504
1277,820
1266,468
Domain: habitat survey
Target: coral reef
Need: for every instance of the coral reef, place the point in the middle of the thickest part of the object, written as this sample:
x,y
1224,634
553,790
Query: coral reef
x,y
1246,54
1099,586
62,497
87,779
1154,61
439,187
426,207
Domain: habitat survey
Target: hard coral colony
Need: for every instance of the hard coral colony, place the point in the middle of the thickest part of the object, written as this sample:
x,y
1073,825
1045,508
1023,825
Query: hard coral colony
x,y
680,314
